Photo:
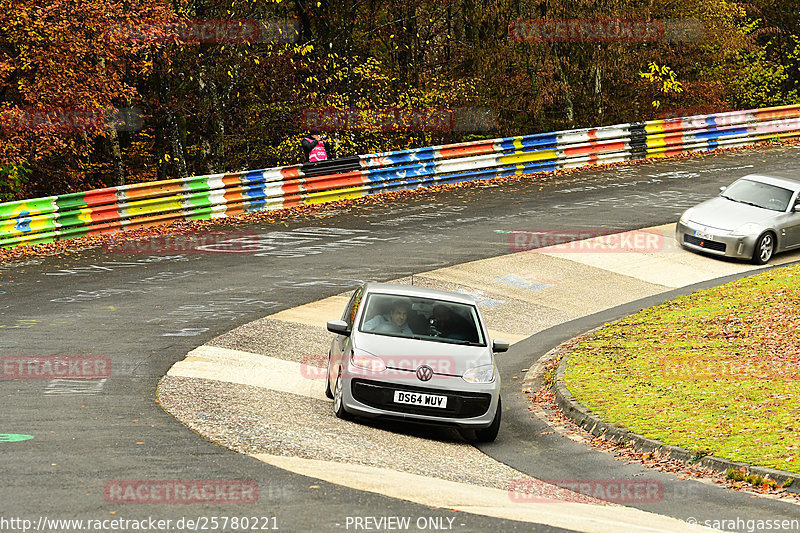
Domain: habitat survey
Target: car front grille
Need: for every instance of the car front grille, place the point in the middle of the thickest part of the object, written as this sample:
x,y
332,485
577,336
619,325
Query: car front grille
x,y
703,243
381,396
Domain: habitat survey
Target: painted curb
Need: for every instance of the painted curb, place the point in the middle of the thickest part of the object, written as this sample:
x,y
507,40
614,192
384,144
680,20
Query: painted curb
x,y
584,418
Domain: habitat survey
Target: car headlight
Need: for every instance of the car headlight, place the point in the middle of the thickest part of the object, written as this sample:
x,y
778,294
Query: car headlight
x,y
686,214
479,374
745,229
368,362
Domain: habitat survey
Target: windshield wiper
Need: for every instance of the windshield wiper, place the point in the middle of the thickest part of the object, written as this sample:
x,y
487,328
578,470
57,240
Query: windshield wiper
x,y
754,205
443,339
742,201
466,343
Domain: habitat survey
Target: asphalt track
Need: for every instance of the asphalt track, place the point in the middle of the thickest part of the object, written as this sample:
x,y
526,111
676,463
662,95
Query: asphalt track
x,y
290,423
146,311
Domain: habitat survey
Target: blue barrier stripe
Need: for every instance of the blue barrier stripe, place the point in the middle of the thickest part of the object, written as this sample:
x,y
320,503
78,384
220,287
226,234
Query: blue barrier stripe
x,y
534,141
255,176
203,196
376,176
716,134
548,144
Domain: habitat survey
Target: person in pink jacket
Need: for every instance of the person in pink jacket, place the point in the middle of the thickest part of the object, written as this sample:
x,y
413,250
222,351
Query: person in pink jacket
x,y
316,147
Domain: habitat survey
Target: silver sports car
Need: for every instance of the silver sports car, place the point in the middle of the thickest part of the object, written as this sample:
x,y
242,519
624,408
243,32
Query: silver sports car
x,y
415,354
754,218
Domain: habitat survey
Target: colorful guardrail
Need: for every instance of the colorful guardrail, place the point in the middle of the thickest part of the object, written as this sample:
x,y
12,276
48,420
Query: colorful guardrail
x,y
66,216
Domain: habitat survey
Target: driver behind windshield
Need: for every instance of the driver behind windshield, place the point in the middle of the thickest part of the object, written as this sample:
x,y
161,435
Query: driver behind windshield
x,y
394,322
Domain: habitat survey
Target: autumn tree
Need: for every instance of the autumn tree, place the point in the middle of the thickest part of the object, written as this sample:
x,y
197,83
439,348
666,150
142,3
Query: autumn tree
x,y
64,67
240,96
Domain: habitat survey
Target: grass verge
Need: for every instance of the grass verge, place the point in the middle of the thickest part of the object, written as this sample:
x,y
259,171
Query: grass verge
x,y
716,372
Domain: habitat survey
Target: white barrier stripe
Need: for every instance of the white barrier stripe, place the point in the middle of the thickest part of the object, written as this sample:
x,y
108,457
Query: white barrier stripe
x,y
266,190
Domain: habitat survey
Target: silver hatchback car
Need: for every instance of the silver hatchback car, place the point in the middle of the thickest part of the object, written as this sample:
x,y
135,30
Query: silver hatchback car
x,y
754,218
415,354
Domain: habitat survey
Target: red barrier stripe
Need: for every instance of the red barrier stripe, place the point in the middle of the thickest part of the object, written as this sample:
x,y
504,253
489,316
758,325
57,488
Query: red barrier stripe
x,y
673,124
336,181
673,139
231,180
107,227
149,190
786,112
292,200
233,194
101,197
104,213
153,220
463,151
594,148
292,192
675,151
291,172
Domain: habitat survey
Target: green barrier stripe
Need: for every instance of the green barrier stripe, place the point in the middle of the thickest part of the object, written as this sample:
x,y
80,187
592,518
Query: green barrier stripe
x,y
197,184
37,220
36,206
200,200
68,202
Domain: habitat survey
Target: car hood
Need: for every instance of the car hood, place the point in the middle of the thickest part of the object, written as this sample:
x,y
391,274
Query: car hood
x,y
410,354
728,215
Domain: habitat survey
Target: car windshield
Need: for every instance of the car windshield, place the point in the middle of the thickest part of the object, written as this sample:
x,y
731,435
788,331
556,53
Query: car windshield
x,y
421,318
759,194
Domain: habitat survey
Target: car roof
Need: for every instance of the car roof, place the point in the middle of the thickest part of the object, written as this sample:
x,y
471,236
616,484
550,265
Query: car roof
x,y
416,291
779,179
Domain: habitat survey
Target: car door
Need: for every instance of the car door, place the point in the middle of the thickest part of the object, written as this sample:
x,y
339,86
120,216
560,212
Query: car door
x,y
791,225
341,343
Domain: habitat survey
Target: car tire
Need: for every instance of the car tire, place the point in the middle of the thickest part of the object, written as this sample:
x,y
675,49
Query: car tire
x,y
765,249
490,434
328,391
338,402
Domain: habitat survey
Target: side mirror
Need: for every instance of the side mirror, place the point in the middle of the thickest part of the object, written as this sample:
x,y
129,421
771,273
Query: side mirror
x,y
339,327
796,208
499,345
723,189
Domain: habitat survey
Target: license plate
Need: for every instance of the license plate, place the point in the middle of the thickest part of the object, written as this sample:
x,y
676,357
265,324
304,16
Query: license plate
x,y
704,236
416,398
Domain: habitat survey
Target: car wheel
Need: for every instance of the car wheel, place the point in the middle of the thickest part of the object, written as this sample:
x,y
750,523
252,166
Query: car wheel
x,y
765,247
338,404
328,392
490,433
